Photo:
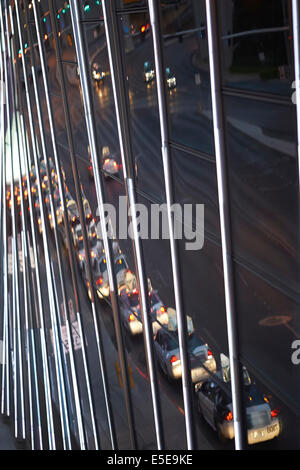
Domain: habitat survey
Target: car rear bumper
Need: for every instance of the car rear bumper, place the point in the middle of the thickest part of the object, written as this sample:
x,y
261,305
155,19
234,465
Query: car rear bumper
x,y
135,327
198,373
255,436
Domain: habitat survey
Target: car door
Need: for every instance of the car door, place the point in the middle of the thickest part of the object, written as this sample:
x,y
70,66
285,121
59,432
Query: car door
x,y
159,341
207,402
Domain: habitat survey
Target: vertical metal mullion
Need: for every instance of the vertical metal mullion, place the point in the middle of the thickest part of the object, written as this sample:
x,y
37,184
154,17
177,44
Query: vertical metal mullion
x,y
296,45
54,309
70,246
178,290
5,383
17,369
82,55
81,212
223,195
18,326
56,319
114,46
44,346
29,324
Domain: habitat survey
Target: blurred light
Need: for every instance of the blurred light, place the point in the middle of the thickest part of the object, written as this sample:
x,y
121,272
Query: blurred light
x,y
87,7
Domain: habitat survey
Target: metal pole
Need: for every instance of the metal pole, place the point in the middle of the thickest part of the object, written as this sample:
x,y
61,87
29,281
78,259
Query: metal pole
x,y
222,181
114,46
181,317
296,44
74,366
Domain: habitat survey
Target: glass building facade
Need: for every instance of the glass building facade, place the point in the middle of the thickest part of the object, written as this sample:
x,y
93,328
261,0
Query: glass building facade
x,y
123,102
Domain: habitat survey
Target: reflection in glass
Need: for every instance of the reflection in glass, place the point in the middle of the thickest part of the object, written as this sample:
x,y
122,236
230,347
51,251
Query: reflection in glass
x,y
187,74
256,45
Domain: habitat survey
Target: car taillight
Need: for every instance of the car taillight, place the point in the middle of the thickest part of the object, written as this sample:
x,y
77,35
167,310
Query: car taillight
x,y
162,309
131,317
174,359
275,412
209,353
115,165
229,416
99,281
106,160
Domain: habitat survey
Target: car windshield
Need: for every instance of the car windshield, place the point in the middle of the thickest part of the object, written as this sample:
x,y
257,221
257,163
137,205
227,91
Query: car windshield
x,y
102,265
253,396
96,68
194,342
134,299
80,245
74,222
147,66
154,299
171,341
119,265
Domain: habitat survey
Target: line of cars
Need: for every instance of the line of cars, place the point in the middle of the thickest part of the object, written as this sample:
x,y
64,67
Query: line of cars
x,y
149,75
212,386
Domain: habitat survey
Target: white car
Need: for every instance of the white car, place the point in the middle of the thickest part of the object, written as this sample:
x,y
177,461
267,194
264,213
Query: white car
x,y
80,252
149,72
166,345
101,276
130,311
130,302
215,405
171,79
109,165
97,73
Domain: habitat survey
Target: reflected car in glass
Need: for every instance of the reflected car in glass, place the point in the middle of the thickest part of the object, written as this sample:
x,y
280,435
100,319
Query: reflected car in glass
x,y
167,351
215,406
171,79
149,72
97,73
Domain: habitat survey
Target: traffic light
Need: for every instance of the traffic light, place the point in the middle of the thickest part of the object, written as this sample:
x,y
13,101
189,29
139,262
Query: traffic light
x,y
87,7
